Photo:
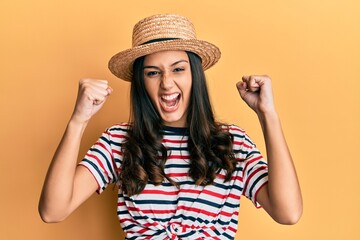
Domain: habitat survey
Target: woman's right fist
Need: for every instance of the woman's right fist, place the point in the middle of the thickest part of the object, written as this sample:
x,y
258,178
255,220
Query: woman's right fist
x,y
92,95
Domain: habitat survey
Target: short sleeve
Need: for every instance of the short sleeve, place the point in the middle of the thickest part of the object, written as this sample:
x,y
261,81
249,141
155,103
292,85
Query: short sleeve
x,y
252,163
255,175
99,160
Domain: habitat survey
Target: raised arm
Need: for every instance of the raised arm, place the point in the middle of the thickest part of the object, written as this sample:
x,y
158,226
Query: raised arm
x,y
281,197
67,186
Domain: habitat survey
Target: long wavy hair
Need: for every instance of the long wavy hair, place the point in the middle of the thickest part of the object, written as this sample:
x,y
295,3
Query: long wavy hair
x,y
144,156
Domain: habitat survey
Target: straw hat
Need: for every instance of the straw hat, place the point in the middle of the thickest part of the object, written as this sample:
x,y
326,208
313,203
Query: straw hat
x,y
159,33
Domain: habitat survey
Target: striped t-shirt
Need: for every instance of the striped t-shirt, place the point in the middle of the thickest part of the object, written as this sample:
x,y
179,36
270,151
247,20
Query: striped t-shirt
x,y
187,211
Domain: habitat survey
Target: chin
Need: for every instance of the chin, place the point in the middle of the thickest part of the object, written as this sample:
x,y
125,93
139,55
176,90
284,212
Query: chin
x,y
174,122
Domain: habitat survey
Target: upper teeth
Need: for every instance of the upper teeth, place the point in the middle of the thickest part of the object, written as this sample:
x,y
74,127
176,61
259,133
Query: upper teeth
x,y
170,97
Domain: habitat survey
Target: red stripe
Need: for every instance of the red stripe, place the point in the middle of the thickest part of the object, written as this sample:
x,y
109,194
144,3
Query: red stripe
x,y
114,151
103,146
197,210
211,193
122,220
190,191
178,157
222,176
111,155
214,194
206,234
177,174
237,197
232,229
100,163
173,141
148,191
242,144
236,129
154,211
251,175
227,214
251,161
120,136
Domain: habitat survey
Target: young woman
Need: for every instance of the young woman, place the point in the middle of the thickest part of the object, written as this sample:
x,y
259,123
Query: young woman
x,y
180,173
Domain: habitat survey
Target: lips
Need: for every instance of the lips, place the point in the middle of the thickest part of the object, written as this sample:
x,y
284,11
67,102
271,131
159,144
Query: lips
x,y
170,102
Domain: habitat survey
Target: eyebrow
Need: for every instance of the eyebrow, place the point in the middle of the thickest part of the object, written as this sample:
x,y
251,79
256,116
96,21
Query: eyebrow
x,y
177,62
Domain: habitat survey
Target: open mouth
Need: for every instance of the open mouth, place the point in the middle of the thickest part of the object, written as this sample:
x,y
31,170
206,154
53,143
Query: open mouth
x,y
170,102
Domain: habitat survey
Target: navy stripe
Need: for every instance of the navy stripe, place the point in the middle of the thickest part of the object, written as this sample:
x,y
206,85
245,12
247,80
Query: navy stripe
x,y
115,143
227,187
255,182
165,220
227,235
217,232
106,140
186,165
259,164
108,163
160,202
199,200
237,151
187,234
118,129
204,202
222,223
191,218
230,205
177,149
118,160
254,152
237,135
96,169
129,226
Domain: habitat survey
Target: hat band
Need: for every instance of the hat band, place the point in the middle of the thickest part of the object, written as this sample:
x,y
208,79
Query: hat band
x,y
159,40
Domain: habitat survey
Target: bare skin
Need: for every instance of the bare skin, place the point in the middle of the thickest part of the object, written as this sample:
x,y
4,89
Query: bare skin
x,y
281,196
67,185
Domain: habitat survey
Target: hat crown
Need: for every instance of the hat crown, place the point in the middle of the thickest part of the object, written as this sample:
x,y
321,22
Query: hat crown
x,y
162,26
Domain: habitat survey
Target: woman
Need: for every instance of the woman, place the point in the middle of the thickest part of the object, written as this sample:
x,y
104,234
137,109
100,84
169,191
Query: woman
x,y
180,173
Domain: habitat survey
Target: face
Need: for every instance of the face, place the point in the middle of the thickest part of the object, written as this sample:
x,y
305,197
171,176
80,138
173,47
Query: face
x,y
167,77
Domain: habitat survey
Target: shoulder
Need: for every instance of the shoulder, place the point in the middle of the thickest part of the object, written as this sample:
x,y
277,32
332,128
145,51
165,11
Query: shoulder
x,y
240,138
123,127
118,130
233,129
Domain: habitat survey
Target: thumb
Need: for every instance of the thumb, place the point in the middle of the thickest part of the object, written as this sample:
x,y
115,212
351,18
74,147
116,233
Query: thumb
x,y
242,88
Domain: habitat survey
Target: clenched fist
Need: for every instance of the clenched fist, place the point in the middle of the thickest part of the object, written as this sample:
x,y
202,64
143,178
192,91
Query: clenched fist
x,y
92,95
256,91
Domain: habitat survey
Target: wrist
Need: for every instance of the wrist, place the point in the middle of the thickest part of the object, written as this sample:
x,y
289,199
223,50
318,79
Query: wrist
x,y
75,123
268,117
268,113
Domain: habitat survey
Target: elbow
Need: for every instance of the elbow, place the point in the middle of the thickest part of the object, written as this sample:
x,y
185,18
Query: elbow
x,y
48,216
289,218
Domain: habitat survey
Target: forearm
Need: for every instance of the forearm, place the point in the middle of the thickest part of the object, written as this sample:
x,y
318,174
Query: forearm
x,y
283,187
58,186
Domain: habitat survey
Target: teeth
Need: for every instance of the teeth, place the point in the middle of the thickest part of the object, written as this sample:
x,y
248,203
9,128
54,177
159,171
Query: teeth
x,y
170,97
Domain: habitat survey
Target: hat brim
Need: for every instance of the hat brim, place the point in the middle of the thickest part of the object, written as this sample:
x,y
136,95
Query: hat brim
x,y
121,64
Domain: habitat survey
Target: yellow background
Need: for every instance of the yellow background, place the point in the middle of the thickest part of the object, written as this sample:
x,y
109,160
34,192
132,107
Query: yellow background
x,y
311,49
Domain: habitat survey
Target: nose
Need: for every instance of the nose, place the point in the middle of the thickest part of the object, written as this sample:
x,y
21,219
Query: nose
x,y
167,82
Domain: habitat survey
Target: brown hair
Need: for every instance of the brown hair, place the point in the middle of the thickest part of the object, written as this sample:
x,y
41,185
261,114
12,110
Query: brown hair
x,y
209,144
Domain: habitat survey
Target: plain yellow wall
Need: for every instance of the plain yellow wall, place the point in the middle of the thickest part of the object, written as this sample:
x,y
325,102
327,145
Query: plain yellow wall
x,y
310,48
